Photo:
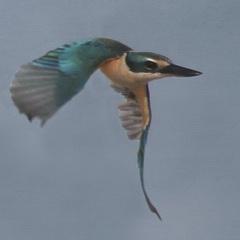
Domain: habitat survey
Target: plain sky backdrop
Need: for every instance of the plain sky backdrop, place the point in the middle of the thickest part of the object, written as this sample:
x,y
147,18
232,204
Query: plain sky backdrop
x,y
77,178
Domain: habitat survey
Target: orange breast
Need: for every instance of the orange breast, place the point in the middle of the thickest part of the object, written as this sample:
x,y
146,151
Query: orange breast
x,y
141,95
111,68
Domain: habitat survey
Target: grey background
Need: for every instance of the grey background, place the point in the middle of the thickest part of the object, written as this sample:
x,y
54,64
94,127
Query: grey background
x,y
77,178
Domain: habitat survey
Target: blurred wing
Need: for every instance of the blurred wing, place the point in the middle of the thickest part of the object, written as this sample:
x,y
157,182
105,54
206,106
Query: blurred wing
x,y
42,95
135,113
42,86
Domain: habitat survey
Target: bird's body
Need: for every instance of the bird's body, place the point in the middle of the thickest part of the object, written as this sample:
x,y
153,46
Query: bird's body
x,y
42,86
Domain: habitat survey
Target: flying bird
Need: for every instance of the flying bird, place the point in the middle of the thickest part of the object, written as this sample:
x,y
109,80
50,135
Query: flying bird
x,y
42,86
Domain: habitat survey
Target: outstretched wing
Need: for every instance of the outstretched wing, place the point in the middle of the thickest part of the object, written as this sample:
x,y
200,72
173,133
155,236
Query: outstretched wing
x,y
42,86
135,113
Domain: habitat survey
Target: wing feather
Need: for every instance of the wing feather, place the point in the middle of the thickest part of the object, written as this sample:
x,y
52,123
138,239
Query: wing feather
x,y
42,86
35,90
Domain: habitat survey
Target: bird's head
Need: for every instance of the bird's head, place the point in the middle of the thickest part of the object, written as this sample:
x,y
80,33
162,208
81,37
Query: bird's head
x,y
156,66
138,68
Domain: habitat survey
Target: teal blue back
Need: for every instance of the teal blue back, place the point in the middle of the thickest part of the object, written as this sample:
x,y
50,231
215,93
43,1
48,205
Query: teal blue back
x,y
77,61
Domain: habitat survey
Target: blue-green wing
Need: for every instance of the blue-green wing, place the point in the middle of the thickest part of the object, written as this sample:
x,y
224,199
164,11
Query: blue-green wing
x,y
42,86
141,151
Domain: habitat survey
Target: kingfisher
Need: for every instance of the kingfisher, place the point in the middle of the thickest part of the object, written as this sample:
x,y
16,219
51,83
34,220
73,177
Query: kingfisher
x,y
42,86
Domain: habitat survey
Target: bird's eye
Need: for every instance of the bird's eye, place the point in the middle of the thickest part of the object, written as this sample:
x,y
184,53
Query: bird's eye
x,y
150,65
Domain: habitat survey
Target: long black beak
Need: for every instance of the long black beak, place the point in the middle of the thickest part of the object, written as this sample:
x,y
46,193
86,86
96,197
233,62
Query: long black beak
x,y
179,71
